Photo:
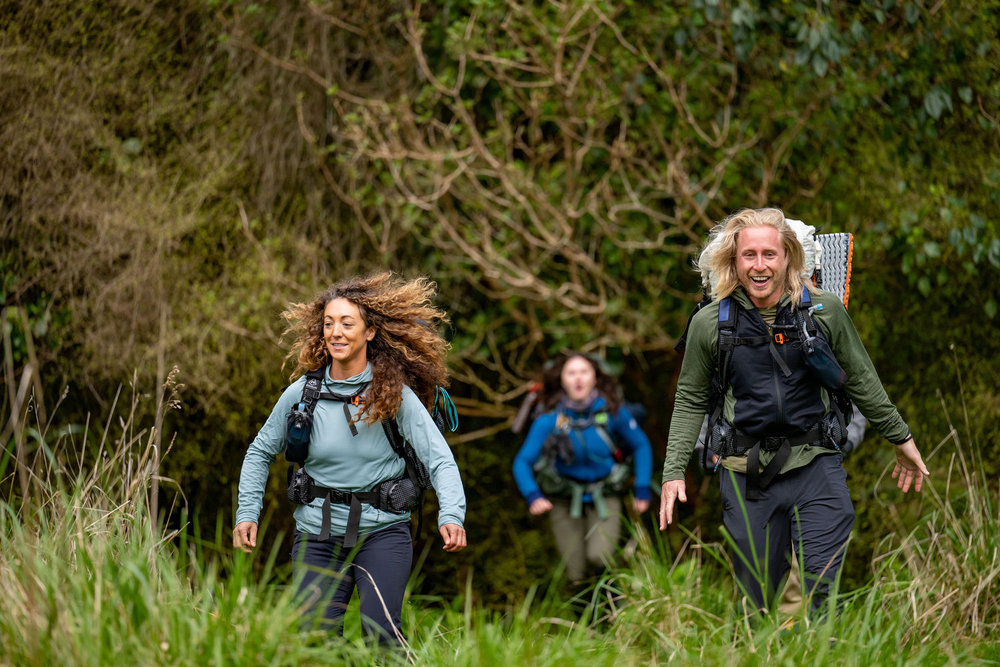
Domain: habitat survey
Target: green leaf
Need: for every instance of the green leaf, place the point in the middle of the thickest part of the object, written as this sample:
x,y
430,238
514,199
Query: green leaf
x,y
994,253
991,308
132,146
955,239
924,285
820,64
936,102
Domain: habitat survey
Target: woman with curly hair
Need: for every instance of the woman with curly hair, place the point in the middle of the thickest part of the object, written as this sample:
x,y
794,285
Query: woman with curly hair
x,y
375,338
570,463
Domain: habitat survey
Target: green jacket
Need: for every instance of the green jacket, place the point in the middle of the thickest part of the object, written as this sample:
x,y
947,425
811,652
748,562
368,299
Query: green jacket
x,y
697,369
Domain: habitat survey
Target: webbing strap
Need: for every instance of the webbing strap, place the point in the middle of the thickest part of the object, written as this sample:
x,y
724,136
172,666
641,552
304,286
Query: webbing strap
x,y
310,392
597,496
578,490
356,399
353,522
351,498
747,340
743,442
576,500
398,444
757,479
786,371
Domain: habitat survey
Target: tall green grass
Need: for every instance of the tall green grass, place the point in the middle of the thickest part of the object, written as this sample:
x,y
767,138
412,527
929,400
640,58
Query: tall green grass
x,y
90,578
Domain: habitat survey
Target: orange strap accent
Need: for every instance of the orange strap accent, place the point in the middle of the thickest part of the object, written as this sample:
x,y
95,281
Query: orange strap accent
x,y
850,258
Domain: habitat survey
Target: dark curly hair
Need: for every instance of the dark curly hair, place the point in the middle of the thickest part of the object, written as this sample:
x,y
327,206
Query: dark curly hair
x,y
406,349
552,390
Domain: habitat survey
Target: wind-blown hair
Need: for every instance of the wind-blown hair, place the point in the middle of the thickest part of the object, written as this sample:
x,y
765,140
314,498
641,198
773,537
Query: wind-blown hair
x,y
552,389
717,261
406,348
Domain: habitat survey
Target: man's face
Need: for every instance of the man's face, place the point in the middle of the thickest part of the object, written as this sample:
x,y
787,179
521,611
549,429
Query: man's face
x,y
761,265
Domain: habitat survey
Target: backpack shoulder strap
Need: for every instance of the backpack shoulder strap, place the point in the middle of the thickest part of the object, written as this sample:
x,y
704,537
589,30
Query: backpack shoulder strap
x,y
394,436
415,468
805,311
726,325
311,390
601,418
298,428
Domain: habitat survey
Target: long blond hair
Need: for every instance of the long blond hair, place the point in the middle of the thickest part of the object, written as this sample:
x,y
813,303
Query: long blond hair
x,y
717,261
407,347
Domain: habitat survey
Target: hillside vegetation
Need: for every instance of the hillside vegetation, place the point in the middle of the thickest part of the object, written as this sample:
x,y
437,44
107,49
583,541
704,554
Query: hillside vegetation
x,y
173,173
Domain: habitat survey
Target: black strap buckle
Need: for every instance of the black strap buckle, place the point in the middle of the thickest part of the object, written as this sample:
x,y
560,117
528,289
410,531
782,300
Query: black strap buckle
x,y
772,443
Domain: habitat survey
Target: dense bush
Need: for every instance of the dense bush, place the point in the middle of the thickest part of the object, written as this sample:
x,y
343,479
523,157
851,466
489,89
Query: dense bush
x,y
172,173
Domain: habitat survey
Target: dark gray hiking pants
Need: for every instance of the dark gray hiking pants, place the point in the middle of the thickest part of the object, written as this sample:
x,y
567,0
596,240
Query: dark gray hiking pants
x,y
809,507
379,570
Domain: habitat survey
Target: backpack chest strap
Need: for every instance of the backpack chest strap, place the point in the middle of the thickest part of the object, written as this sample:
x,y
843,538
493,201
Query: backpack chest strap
x,y
356,399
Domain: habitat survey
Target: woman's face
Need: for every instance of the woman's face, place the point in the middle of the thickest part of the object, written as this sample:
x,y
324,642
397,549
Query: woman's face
x,y
578,378
346,337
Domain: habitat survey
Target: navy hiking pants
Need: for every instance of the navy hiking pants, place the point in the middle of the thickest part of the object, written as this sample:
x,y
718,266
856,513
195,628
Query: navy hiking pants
x,y
809,507
327,575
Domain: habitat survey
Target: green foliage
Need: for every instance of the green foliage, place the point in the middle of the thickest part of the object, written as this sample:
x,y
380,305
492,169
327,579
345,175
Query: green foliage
x,y
553,166
90,578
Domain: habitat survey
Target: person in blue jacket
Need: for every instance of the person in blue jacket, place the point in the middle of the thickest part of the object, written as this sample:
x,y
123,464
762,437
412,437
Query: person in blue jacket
x,y
572,466
375,339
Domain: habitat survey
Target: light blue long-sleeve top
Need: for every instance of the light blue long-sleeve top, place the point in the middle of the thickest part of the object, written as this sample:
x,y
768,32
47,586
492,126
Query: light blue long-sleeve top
x,y
339,460
592,458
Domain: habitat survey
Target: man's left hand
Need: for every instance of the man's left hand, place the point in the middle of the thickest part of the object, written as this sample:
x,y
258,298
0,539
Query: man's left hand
x,y
910,468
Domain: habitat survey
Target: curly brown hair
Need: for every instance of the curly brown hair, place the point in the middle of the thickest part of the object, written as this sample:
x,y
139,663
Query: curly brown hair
x,y
406,349
552,389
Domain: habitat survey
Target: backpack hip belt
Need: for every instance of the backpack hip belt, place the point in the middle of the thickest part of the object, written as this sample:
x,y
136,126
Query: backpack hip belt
x,y
824,434
397,495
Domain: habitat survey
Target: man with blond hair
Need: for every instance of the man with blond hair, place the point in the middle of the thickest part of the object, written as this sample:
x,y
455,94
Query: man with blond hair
x,y
779,352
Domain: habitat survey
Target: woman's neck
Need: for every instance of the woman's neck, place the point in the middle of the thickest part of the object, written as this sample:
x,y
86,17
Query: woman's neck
x,y
342,372
582,405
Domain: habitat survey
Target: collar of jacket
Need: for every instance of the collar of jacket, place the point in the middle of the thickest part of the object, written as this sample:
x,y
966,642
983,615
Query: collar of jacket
x,y
740,295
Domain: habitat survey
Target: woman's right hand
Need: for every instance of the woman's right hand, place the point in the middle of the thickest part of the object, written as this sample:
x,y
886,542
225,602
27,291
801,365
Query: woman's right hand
x,y
245,535
539,506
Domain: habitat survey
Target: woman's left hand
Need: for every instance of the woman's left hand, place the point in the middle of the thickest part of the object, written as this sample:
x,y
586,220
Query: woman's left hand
x,y
640,506
454,537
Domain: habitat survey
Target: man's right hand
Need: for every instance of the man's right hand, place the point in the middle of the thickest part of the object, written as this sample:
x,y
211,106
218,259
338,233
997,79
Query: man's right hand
x,y
675,489
245,536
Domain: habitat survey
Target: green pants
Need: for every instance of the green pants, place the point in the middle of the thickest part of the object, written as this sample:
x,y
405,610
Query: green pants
x,y
588,539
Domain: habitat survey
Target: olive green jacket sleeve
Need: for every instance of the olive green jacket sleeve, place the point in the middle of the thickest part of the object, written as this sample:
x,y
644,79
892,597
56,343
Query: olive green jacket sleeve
x,y
863,384
693,388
